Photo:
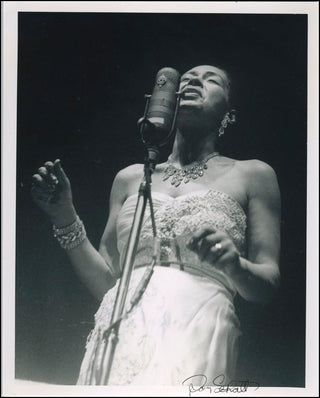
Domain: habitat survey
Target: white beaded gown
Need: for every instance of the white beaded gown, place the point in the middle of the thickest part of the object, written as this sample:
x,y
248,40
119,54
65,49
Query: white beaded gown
x,y
185,323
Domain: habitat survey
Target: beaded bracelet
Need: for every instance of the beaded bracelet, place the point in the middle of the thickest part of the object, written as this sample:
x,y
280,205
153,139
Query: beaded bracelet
x,y
70,236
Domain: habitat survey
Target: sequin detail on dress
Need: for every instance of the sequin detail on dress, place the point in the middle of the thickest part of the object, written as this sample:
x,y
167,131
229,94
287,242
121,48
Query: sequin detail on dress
x,y
185,323
186,214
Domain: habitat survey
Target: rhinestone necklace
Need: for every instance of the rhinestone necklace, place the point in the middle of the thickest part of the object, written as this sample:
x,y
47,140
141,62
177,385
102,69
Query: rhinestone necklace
x,y
185,174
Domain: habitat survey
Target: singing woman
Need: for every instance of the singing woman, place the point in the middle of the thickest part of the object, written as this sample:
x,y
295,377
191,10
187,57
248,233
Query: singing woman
x,y
217,222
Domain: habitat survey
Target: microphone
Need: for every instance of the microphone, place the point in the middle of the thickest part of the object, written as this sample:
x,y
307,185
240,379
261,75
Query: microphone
x,y
158,123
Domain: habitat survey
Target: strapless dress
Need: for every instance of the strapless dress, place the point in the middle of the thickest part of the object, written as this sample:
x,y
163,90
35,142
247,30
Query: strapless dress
x,y
185,323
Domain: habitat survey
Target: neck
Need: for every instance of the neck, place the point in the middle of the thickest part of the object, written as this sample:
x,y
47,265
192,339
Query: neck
x,y
191,146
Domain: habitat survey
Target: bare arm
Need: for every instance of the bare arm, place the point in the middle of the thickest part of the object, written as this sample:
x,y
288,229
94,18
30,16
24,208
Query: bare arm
x,y
257,277
100,269
108,244
97,269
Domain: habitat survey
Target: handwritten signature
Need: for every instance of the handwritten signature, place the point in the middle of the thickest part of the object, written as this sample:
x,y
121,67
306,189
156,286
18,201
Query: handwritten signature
x,y
199,383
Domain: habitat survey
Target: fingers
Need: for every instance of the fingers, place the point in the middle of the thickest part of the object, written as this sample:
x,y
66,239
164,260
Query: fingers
x,y
47,174
197,236
38,180
50,171
51,187
49,180
215,251
206,246
229,262
61,176
207,234
207,249
49,166
43,172
45,182
220,253
214,247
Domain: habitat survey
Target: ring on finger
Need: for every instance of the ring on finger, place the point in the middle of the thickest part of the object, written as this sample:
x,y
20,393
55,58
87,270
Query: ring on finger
x,y
218,249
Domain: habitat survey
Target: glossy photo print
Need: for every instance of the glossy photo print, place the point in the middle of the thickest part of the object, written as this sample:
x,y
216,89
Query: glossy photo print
x,y
212,106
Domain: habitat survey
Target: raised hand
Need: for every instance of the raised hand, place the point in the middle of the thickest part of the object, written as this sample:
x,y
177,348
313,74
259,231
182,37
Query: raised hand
x,y
51,191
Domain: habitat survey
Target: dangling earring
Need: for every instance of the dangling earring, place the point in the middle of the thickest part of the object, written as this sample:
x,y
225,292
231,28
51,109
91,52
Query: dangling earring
x,y
229,118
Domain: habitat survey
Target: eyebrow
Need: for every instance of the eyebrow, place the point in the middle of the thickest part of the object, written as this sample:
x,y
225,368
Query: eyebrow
x,y
211,74
208,73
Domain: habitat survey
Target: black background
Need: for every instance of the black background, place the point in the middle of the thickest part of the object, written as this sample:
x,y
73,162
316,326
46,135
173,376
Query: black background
x,y
81,84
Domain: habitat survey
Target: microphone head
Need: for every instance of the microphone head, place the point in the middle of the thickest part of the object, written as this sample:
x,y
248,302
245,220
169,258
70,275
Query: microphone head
x,y
167,76
159,123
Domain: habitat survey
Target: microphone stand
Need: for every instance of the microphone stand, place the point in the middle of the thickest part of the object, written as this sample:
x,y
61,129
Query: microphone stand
x,y
110,337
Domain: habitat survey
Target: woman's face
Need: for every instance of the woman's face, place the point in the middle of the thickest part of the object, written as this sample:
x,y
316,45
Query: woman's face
x,y
205,89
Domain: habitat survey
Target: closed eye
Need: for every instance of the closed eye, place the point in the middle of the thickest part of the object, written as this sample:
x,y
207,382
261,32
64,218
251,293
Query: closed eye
x,y
213,81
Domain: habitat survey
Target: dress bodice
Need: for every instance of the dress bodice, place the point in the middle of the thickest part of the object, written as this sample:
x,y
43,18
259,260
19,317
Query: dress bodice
x,y
176,220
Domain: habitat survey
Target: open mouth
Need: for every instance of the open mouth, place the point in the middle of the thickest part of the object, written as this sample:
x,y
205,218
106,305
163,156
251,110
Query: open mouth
x,y
189,93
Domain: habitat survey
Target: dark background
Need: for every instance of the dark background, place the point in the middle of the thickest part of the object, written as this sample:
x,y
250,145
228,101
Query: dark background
x,y
81,84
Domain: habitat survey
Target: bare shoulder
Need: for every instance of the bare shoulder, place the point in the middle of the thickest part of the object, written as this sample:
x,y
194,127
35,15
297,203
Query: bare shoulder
x,y
255,168
260,178
126,181
128,173
250,170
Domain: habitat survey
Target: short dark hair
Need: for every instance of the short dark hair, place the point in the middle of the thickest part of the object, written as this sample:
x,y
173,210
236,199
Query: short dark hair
x,y
229,81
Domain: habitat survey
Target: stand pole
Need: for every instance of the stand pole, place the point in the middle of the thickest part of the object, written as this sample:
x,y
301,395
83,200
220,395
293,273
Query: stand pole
x,y
109,345
124,282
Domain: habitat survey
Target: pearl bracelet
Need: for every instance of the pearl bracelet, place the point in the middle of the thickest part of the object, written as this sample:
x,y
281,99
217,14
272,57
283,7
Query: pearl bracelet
x,y
70,236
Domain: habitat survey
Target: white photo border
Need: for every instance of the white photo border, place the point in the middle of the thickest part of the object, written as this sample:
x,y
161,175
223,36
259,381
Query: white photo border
x,y
10,10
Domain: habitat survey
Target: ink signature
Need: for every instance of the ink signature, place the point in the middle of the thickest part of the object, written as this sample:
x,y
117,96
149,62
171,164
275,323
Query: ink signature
x,y
199,383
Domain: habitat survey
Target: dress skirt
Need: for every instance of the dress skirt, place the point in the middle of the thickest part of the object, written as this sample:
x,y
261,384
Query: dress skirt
x,y
184,325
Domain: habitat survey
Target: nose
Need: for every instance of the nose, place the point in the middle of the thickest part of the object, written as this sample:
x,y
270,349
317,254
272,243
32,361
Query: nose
x,y
195,81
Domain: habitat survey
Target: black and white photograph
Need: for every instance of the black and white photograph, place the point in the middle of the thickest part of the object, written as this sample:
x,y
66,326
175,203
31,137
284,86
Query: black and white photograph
x,y
159,199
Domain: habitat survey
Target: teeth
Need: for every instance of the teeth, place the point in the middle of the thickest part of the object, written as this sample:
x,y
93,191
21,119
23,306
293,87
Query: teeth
x,y
191,91
191,94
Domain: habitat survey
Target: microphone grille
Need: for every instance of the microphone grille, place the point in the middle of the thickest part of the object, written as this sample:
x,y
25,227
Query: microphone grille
x,y
167,74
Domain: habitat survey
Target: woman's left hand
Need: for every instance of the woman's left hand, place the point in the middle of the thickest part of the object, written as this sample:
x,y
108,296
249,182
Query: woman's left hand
x,y
216,248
